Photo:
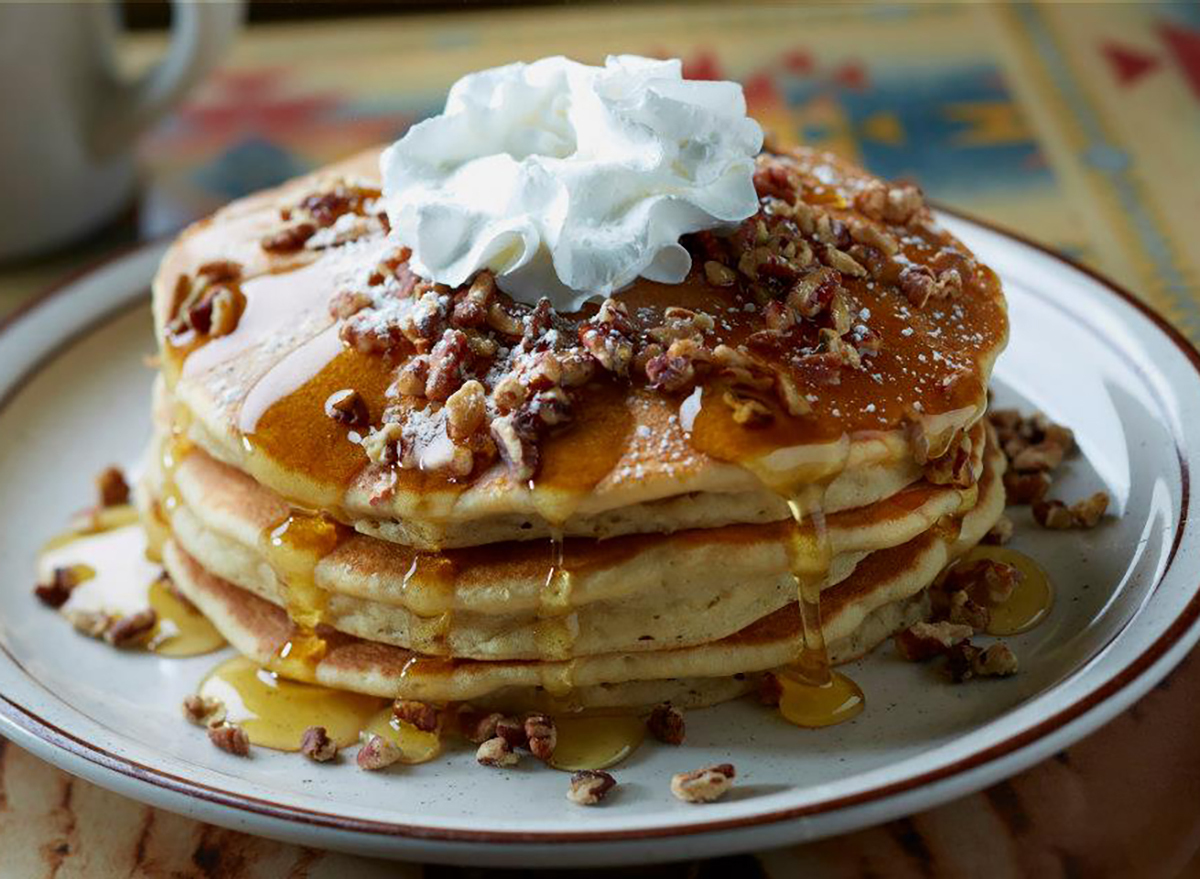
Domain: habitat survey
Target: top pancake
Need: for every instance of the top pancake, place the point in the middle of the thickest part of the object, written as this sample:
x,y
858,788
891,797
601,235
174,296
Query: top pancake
x,y
255,398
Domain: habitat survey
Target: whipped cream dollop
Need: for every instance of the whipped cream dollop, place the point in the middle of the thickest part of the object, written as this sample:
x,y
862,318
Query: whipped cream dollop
x,y
569,181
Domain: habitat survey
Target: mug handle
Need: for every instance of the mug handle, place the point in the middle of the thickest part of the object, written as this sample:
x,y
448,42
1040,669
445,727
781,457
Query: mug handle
x,y
201,30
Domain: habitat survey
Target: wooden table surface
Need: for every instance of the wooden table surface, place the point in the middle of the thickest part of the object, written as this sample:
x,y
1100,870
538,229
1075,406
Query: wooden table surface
x,y
1079,125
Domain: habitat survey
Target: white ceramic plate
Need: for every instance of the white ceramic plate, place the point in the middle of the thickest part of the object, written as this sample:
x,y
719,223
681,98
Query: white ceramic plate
x,y
74,396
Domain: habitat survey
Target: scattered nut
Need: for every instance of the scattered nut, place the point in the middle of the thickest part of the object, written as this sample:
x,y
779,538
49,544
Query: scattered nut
x,y
376,753
589,786
316,745
56,593
204,710
496,752
347,407
922,641
133,629
112,487
478,726
231,738
666,724
512,730
965,611
965,661
1052,514
419,714
1025,488
91,623
542,735
703,785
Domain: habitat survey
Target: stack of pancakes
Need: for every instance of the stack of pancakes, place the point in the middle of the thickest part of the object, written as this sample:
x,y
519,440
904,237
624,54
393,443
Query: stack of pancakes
x,y
647,558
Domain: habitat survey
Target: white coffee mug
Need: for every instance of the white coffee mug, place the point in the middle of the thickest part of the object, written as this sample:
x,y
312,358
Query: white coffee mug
x,y
68,120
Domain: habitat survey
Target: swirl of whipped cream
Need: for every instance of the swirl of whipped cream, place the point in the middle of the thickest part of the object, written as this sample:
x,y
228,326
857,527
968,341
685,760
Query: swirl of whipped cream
x,y
568,180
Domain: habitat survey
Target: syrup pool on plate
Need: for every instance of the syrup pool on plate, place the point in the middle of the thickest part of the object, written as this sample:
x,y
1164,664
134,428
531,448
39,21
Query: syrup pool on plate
x,y
108,554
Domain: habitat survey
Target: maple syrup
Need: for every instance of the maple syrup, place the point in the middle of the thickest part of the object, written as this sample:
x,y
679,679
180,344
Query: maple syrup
x,y
1031,599
113,575
416,745
275,711
816,696
181,629
293,548
810,705
595,741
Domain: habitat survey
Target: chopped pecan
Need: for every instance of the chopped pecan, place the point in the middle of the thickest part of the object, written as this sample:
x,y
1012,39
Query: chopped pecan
x,y
112,487
230,738
516,445
872,236
666,724
607,337
425,323
987,580
91,623
347,407
289,239
382,443
478,726
471,306
965,661
204,710
589,786
1025,488
411,378
466,409
419,714
542,735
996,660
719,274
348,303
902,204
703,785
1052,514
448,363
376,753
1087,513
675,368
502,322
965,611
1045,455
509,393
316,745
775,179
129,630
496,752
922,641
512,730
56,592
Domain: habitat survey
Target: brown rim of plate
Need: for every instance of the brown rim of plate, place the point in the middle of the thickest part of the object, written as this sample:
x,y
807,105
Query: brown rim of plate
x,y
57,737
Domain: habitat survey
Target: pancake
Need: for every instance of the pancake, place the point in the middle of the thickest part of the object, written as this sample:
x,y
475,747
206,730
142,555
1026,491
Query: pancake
x,y
882,595
631,593
254,398
388,486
